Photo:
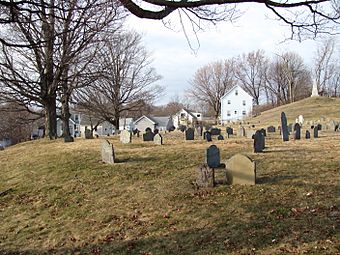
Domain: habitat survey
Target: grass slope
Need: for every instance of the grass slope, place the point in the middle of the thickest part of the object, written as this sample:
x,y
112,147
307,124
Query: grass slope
x,y
58,198
312,108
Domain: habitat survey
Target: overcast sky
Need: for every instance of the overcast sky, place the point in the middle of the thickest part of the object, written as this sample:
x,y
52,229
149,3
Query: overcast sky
x,y
177,62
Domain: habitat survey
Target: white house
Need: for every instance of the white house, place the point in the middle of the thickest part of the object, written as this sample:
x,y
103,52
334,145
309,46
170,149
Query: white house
x,y
152,122
186,117
236,104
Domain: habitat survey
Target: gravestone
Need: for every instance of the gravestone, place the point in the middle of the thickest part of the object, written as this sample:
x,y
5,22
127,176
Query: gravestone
x,y
220,137
199,130
108,155
241,132
263,131
284,128
205,176
215,131
1,147
229,131
208,136
87,133
148,136
125,136
297,131
319,127
158,139
301,120
156,131
241,170
259,141
148,130
307,134
190,134
271,129
212,156
68,139
182,128
316,132
170,125
290,127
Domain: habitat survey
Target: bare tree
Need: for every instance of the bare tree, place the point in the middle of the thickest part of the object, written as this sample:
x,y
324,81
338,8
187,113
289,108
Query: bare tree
x,y
251,72
211,82
288,78
126,81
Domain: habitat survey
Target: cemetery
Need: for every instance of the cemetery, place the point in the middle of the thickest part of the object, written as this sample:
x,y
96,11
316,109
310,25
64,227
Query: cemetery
x,y
262,189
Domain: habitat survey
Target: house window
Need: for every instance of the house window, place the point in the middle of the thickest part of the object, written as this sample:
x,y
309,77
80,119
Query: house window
x,y
198,115
182,115
244,113
236,92
228,113
229,102
76,117
244,102
235,112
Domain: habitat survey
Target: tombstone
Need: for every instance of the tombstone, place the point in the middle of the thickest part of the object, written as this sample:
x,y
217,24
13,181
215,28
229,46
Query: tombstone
x,y
263,131
284,128
135,131
182,128
125,136
229,131
307,134
68,139
1,147
241,132
215,131
170,125
315,132
148,136
271,129
259,141
290,127
220,137
199,131
241,170
190,134
297,131
108,155
212,156
87,133
158,139
301,120
319,127
156,131
207,136
205,176
336,128
148,130
138,133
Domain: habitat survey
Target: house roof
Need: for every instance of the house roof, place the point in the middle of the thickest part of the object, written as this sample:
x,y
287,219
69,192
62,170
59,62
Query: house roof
x,y
160,121
189,112
233,88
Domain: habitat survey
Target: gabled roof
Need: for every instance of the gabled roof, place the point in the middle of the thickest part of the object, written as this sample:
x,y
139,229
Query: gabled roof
x,y
161,121
233,88
189,112
144,116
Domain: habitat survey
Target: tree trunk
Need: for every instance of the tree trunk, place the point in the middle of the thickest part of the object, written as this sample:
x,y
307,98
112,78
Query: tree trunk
x,y
65,117
50,117
116,123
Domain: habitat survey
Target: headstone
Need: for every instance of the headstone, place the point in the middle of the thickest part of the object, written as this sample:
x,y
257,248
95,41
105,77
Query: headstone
x,y
307,134
182,128
212,156
205,176
199,130
263,131
125,136
208,136
271,129
148,130
220,137
158,139
297,131
156,131
241,170
148,136
301,120
1,147
68,139
315,92
229,131
319,127
215,131
87,133
108,155
315,132
241,132
259,141
170,125
190,134
284,128
290,127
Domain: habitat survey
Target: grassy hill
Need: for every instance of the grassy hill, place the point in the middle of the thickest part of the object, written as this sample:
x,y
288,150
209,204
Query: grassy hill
x,y
312,108
58,198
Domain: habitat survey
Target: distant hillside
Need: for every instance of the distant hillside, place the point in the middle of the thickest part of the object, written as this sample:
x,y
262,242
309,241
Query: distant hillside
x,y
312,108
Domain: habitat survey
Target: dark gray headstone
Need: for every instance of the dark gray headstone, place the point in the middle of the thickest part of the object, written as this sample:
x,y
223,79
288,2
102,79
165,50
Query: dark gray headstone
x,y
271,129
263,131
156,131
307,134
207,136
190,134
259,141
148,136
170,125
205,176
182,128
297,131
284,128
220,137
108,155
212,156
148,130
87,134
229,131
68,139
319,127
316,132
215,131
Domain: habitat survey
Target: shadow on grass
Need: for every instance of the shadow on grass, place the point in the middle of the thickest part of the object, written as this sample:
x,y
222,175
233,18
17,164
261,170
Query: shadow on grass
x,y
135,159
274,179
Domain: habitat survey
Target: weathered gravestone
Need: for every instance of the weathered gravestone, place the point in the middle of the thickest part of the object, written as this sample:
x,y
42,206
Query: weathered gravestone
x,y
263,131
108,155
212,156
190,134
229,131
271,129
87,134
199,131
297,131
290,127
241,132
259,141
207,136
158,139
215,131
205,176
319,127
316,132
182,128
307,134
241,170
125,137
148,136
284,128
68,139
220,137
170,125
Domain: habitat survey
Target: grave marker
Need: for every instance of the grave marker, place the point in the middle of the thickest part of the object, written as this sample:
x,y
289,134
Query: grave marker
x,y
241,170
107,151
212,156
